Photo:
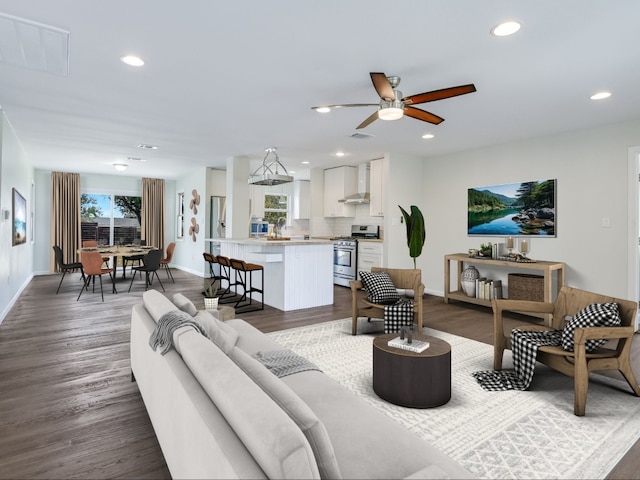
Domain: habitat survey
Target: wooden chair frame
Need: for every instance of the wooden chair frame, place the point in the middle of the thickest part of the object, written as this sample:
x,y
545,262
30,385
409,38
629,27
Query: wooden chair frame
x,y
577,364
408,279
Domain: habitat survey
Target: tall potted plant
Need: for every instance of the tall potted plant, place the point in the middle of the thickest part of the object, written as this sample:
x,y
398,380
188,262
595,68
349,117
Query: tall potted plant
x,y
416,233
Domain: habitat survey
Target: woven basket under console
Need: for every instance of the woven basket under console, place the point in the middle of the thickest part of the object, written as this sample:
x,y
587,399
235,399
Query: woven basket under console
x,y
523,286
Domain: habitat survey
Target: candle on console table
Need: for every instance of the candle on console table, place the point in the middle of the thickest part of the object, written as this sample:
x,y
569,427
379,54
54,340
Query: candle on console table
x,y
509,242
524,246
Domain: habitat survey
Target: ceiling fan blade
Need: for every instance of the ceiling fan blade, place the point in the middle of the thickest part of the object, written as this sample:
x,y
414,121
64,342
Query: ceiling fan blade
x,y
345,105
382,86
370,119
439,94
422,115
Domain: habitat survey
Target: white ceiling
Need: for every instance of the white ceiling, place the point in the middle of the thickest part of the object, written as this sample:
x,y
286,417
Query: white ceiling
x,y
230,78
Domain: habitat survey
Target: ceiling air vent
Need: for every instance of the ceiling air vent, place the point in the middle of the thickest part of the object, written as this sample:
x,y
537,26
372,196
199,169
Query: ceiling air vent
x,y
361,135
32,45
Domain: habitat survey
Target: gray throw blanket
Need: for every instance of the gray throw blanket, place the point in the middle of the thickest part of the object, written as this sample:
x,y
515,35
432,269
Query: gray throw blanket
x,y
162,335
284,362
397,315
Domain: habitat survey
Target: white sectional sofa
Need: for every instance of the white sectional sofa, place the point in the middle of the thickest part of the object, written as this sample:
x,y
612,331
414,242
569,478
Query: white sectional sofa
x,y
220,413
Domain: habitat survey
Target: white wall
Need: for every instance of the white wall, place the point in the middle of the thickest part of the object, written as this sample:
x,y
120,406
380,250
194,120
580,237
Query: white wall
x,y
188,254
16,262
591,168
404,188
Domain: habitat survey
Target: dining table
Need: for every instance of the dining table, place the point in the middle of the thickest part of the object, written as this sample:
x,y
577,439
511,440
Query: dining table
x,y
116,251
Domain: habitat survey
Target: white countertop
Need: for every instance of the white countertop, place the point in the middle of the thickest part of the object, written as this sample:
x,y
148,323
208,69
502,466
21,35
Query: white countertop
x,y
263,242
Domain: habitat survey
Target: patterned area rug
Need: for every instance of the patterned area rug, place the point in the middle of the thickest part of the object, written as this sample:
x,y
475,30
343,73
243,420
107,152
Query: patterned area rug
x,y
513,434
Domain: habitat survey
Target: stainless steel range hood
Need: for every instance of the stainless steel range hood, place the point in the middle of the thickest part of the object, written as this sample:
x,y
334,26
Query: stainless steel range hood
x,y
363,196
269,172
357,198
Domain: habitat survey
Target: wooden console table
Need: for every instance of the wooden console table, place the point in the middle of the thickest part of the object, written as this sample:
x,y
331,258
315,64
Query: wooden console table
x,y
547,269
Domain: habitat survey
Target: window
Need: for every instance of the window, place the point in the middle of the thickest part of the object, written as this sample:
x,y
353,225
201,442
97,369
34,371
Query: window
x,y
180,217
276,207
111,219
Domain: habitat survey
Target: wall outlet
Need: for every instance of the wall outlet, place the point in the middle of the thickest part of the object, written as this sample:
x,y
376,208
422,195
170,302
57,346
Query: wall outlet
x,y
605,222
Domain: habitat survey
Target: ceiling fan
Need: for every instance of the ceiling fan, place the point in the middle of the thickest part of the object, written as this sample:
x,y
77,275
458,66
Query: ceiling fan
x,y
393,105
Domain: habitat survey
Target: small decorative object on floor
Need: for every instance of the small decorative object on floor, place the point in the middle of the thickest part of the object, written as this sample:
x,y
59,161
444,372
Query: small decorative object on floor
x,y
468,280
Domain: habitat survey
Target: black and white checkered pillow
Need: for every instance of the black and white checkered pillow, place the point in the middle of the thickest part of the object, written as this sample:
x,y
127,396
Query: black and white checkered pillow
x,y
594,315
379,287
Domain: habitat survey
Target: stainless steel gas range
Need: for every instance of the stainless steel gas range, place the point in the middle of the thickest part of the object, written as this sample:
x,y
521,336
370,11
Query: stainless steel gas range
x,y
345,253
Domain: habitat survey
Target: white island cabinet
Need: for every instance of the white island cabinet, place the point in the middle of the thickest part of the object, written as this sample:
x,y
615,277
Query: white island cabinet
x,y
297,273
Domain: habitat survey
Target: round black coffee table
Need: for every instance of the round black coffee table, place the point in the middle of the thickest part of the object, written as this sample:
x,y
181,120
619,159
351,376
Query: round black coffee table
x,y
417,380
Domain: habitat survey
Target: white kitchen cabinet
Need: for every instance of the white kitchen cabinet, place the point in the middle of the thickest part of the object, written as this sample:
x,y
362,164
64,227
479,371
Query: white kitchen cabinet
x,y
301,201
377,187
339,182
369,255
256,195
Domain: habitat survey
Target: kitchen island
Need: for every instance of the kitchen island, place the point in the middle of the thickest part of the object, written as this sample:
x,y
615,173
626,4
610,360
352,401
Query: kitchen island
x,y
297,273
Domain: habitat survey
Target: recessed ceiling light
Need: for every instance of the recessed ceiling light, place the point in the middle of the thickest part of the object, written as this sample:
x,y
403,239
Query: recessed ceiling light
x,y
600,95
306,162
136,159
322,109
428,135
121,167
292,171
340,154
147,147
132,60
505,29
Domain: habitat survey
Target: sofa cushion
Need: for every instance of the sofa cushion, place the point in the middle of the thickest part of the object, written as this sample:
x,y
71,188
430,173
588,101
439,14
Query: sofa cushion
x,y
157,304
184,304
379,287
313,429
274,440
221,334
594,315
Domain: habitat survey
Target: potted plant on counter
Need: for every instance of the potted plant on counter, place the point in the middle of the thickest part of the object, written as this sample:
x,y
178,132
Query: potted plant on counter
x,y
210,299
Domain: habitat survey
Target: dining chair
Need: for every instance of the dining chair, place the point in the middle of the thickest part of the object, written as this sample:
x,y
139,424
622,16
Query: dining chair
x,y
92,266
131,259
164,263
94,244
66,267
150,266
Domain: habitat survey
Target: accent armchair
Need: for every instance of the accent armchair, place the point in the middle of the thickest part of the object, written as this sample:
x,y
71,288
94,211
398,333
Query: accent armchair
x,y
405,279
577,363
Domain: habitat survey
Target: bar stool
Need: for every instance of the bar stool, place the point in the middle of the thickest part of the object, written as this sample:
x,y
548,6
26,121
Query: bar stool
x,y
244,271
211,260
225,274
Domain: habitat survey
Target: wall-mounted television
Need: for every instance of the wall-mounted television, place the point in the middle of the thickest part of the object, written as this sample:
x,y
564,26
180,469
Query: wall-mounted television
x,y
513,209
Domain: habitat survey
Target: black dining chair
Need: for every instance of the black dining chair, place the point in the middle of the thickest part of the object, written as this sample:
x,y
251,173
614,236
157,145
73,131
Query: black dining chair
x,y
150,266
66,267
131,259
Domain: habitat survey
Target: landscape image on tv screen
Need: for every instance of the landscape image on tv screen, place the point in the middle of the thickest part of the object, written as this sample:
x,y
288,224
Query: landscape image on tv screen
x,y
514,209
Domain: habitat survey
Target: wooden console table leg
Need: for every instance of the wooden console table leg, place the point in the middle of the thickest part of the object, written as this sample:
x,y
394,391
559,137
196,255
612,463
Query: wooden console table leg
x,y
447,279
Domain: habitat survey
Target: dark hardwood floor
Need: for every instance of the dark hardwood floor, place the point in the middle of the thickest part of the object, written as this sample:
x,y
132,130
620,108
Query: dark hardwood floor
x,y
68,408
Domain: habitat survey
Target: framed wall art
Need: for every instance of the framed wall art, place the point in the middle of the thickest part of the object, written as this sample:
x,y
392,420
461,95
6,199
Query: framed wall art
x,y
19,217
514,209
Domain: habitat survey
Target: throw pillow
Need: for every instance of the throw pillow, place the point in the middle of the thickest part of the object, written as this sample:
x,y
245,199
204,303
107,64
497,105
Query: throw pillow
x,y
224,336
184,304
313,429
379,287
594,315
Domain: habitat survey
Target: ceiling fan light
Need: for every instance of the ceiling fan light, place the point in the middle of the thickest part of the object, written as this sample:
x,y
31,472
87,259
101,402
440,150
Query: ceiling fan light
x,y
323,109
390,113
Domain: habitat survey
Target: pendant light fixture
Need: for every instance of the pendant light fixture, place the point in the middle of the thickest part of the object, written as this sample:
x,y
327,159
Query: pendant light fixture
x,y
269,173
